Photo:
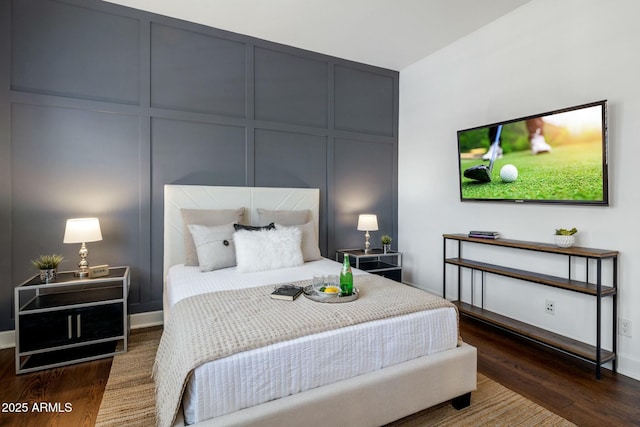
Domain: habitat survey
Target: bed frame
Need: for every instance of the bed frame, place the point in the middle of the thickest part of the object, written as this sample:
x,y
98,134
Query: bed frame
x,y
371,399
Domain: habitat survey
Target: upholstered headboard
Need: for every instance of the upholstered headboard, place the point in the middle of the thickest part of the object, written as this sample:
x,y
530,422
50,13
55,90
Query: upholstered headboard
x,y
178,197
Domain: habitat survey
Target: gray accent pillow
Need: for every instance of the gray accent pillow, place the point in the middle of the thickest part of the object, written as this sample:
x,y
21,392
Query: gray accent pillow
x,y
214,245
204,217
284,217
309,243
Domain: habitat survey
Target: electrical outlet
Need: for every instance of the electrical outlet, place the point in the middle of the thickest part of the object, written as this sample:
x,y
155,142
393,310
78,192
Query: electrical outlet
x,y
625,327
549,307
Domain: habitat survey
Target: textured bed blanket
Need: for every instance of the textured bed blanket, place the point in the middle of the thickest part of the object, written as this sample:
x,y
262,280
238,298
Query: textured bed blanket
x,y
215,325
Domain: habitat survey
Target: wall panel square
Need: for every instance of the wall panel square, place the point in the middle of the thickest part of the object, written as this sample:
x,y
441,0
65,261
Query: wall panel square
x,y
287,159
191,71
184,152
66,50
74,163
364,173
290,88
284,159
364,101
190,153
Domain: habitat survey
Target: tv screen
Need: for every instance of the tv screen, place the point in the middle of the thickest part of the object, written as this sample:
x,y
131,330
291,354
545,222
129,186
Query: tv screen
x,y
555,157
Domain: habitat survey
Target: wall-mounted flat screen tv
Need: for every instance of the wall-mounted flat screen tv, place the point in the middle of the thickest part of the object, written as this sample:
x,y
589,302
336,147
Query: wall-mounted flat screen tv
x,y
554,157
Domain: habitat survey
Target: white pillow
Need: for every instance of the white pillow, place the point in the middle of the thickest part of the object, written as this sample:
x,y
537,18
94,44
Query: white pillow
x,y
214,245
309,243
268,249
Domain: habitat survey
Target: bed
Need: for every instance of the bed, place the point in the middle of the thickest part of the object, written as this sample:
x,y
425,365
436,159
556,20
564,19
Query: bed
x,y
398,365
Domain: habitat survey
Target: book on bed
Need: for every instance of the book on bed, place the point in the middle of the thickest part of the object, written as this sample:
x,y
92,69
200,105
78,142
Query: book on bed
x,y
286,292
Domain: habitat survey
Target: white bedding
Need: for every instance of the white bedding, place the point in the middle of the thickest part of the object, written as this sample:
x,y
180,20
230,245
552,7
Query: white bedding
x,y
253,377
183,282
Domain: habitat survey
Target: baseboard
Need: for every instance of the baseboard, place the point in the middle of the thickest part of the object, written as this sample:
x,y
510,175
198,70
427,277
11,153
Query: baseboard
x,y
7,339
629,366
146,320
136,321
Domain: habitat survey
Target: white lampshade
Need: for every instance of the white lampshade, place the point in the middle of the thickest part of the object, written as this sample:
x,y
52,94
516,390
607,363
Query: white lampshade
x,y
367,222
81,230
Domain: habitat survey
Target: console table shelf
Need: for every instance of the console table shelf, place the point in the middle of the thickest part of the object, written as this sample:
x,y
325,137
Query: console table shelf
x,y
543,279
593,353
571,346
537,246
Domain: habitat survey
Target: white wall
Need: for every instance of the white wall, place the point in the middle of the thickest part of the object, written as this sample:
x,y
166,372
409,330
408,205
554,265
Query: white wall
x,y
546,55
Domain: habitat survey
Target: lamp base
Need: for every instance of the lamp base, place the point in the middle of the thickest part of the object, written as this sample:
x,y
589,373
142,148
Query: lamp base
x,y
80,273
367,245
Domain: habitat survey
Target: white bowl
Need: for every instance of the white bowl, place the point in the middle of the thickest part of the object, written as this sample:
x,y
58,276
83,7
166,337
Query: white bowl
x,y
323,292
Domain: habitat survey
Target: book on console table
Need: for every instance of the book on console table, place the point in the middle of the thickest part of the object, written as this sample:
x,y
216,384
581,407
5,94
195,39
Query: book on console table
x,y
286,292
484,234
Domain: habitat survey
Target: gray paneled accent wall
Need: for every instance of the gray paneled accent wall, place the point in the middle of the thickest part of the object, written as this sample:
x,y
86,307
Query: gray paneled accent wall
x,y
102,105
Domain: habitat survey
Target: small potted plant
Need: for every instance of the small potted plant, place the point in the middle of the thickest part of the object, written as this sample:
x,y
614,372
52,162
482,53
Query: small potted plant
x,y
48,266
386,243
565,238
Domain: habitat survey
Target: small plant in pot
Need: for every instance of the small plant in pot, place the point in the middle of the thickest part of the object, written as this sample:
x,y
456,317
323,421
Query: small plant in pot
x,y
386,243
565,238
48,266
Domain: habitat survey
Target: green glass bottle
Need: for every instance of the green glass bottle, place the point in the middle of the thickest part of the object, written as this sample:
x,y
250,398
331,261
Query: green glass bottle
x,y
346,278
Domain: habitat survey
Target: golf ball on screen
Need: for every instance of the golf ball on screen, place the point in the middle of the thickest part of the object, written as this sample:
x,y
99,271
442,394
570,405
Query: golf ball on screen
x,y
508,173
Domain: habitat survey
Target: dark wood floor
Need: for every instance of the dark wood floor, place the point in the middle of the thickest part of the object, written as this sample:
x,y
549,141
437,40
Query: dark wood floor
x,y
560,383
80,385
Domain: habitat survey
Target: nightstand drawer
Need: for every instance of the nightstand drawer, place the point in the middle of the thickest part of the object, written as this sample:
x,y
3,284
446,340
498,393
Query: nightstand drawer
x,y
64,327
375,261
392,274
99,322
45,330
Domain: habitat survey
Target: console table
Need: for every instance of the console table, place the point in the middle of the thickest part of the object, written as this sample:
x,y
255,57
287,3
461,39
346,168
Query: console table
x,y
594,354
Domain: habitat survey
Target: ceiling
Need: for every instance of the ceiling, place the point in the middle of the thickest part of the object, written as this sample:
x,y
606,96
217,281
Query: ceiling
x,y
391,34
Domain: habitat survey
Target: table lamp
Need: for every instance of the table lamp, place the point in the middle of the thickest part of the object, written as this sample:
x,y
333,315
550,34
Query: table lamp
x,y
366,223
82,230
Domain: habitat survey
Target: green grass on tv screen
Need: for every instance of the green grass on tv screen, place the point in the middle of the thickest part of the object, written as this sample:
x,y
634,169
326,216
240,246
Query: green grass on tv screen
x,y
570,172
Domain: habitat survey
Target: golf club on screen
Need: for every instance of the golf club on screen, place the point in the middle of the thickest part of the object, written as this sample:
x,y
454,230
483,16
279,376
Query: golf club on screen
x,y
482,173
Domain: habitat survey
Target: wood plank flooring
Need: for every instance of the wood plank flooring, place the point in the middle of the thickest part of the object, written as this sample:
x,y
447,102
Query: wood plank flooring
x,y
560,383
80,385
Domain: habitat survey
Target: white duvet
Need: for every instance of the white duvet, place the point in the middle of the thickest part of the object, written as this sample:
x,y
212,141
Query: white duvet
x,y
257,376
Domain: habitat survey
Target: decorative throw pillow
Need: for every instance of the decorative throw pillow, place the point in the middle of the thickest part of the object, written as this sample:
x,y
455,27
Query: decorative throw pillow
x,y
268,249
214,245
309,243
284,217
239,227
204,217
